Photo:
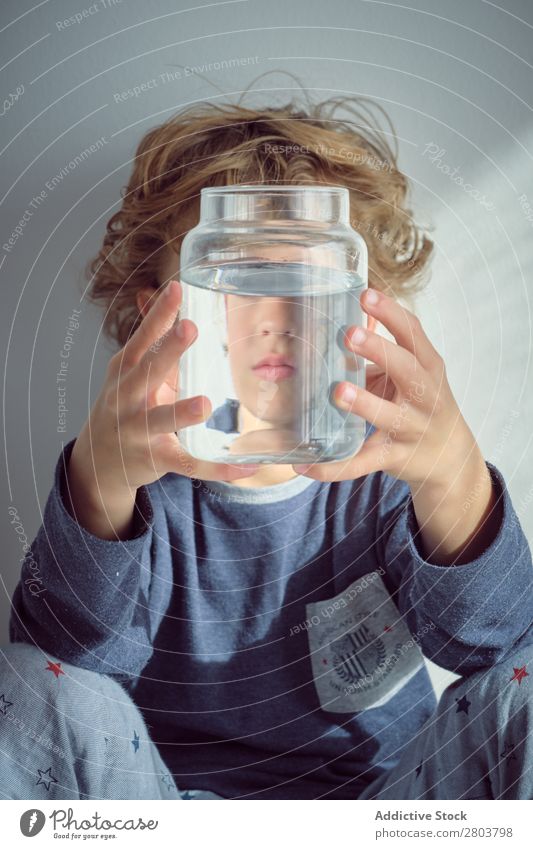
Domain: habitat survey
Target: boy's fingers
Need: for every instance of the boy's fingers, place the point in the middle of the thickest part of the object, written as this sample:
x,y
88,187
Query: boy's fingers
x,y
370,458
399,364
161,360
224,472
371,407
403,324
168,418
158,321
183,463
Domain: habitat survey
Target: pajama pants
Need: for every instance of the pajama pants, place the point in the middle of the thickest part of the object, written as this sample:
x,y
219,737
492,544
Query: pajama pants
x,y
68,733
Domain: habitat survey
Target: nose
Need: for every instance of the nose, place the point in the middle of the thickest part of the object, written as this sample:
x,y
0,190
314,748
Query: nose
x,y
277,317
267,327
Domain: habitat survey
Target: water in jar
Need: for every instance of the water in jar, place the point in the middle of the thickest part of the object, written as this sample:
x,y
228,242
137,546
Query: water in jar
x,y
268,355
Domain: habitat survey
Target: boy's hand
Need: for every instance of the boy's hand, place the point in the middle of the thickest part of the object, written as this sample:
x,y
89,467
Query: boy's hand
x,y
129,438
131,430
421,436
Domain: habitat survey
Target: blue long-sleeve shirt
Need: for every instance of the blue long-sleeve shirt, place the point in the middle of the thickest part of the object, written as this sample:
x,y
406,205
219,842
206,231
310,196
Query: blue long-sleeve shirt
x,y
272,637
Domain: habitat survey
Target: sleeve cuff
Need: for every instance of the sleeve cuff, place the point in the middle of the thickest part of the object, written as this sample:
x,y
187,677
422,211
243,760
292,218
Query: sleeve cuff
x,y
143,511
493,586
480,607
508,523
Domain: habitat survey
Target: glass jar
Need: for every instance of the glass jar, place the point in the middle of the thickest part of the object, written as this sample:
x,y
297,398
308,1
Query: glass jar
x,y
272,277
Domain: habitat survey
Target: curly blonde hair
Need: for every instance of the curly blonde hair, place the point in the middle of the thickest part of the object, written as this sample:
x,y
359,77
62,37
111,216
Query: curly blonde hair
x,y
226,144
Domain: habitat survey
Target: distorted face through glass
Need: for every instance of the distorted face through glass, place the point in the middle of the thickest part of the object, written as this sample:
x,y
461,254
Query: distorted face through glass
x,y
272,342
266,344
268,356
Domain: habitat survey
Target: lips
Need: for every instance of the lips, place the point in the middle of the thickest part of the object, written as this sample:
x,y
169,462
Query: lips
x,y
275,360
275,367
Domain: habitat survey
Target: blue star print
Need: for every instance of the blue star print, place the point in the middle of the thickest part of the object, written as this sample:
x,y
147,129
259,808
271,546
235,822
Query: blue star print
x,y
135,742
168,781
48,780
4,705
462,705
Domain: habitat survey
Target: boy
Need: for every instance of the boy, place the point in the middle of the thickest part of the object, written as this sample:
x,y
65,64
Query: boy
x,y
209,631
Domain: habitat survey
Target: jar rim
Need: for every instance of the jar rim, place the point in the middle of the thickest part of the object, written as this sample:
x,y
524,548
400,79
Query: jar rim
x,y
262,187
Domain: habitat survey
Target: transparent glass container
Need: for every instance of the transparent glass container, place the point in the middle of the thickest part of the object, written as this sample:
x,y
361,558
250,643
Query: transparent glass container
x,y
272,276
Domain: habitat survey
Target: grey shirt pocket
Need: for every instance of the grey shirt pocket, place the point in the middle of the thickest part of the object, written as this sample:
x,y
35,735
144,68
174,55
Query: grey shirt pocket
x,y
362,653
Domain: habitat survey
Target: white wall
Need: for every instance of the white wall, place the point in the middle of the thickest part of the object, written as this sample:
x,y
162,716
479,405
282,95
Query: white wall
x,y
455,76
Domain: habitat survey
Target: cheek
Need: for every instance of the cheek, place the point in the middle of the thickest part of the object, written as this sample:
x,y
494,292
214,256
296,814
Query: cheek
x,y
241,354
241,330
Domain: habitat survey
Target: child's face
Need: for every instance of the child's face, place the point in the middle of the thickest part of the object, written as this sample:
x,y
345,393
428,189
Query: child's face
x,y
280,329
265,352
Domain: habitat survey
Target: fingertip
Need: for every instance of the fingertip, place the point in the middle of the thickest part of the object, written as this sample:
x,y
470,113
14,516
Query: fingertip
x,y
346,393
348,336
244,470
205,403
171,288
371,297
186,331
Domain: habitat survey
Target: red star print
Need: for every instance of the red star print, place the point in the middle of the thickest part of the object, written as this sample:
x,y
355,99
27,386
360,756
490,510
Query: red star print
x,y
55,668
519,674
387,628
324,661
